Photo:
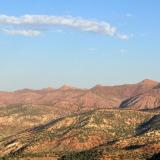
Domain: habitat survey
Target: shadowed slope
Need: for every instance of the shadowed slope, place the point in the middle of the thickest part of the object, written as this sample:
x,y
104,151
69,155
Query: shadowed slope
x,y
150,125
148,100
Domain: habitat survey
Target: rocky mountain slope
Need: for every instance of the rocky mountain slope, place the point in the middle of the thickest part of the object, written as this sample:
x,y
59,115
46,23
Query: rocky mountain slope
x,y
74,99
147,101
99,134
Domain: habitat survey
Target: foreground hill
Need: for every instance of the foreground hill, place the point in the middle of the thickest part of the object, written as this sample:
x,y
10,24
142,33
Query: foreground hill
x,y
98,134
16,118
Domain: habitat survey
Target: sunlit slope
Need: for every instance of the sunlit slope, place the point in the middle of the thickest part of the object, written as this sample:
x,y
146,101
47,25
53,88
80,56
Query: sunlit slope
x,y
16,118
99,133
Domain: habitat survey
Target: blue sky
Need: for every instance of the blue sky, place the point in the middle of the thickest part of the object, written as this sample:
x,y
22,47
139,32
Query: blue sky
x,y
80,43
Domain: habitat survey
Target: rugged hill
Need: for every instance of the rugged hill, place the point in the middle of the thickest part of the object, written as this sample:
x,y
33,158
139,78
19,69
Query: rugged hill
x,y
147,101
98,134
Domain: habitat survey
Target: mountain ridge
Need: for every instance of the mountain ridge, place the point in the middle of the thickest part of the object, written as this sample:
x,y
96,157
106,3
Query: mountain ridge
x,y
74,98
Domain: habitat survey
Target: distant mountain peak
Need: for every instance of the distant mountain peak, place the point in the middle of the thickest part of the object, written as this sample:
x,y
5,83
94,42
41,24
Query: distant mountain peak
x,y
66,87
149,81
98,86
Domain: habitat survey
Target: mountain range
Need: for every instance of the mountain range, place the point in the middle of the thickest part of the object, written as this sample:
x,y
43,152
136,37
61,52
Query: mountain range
x,y
140,96
69,123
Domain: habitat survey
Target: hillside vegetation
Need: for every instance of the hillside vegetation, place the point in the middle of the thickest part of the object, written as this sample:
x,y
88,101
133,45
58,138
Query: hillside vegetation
x,y
18,117
97,134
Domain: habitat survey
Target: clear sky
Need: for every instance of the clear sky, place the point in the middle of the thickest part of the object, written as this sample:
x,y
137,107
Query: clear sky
x,y
78,42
